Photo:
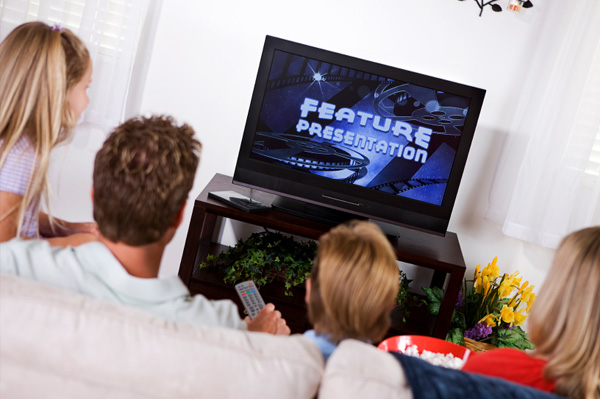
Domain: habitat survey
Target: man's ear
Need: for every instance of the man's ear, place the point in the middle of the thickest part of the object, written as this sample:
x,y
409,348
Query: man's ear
x,y
92,194
179,217
307,286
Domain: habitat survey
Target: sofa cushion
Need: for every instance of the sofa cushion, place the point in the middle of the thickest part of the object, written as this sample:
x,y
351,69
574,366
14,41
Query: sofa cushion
x,y
58,344
359,370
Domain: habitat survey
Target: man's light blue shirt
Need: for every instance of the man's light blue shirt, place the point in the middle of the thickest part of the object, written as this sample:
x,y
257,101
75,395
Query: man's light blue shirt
x,y
91,269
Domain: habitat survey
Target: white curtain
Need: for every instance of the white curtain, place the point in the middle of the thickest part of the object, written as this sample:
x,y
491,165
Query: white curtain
x,y
111,30
548,179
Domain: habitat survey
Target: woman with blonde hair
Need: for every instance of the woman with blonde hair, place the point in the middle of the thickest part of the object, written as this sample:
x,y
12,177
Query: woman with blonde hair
x,y
352,286
43,80
564,326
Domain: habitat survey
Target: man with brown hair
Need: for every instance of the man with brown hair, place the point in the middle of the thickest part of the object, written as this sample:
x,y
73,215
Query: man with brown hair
x,y
142,176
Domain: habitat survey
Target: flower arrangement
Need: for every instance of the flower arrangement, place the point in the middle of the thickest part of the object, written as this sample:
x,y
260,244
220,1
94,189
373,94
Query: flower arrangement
x,y
489,308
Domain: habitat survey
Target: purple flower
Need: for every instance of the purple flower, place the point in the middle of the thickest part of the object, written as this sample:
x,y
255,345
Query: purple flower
x,y
479,332
459,299
507,325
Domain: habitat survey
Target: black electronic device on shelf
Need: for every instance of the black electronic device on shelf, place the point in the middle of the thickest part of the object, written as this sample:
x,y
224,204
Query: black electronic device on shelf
x,y
337,137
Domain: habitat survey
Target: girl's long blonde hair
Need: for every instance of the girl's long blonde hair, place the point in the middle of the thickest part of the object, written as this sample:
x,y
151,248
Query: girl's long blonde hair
x,y
39,65
564,323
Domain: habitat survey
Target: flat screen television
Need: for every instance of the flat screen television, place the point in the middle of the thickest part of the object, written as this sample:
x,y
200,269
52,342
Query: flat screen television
x,y
338,137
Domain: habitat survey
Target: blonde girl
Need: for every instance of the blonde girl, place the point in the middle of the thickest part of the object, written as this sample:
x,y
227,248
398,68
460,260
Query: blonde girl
x,y
564,326
44,75
564,323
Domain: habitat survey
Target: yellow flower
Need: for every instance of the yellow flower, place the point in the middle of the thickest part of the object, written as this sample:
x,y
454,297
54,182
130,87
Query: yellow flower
x,y
480,284
530,301
526,294
476,272
506,287
520,317
492,270
517,281
487,271
495,270
486,287
489,319
507,314
525,284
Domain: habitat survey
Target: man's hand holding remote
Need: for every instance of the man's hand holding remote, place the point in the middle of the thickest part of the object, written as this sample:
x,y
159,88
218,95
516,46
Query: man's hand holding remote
x,y
268,320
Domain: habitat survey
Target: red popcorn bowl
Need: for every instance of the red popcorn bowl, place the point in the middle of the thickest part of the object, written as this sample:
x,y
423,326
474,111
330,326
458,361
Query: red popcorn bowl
x,y
401,342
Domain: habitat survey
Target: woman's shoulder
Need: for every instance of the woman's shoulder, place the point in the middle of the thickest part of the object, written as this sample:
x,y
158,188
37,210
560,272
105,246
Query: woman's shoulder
x,y
496,357
511,364
508,352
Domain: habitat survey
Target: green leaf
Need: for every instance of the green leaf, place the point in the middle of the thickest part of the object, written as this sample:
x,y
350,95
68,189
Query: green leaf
x,y
263,257
458,320
512,338
266,256
456,336
434,297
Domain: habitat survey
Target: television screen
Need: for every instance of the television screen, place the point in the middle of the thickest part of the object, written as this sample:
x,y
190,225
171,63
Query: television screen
x,y
357,136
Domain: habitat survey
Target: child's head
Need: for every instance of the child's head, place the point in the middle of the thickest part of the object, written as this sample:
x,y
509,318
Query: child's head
x,y
564,323
142,176
41,67
43,76
353,283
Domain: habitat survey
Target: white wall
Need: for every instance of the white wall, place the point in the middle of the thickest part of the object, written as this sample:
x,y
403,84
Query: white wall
x,y
204,64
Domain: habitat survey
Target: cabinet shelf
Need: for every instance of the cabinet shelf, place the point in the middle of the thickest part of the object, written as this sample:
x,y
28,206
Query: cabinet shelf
x,y
440,254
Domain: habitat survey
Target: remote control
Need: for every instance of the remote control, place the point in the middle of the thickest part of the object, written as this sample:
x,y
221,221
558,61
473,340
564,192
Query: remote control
x,y
250,297
239,201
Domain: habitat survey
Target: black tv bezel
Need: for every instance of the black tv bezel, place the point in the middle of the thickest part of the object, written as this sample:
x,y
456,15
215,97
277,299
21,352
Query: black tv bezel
x,y
352,199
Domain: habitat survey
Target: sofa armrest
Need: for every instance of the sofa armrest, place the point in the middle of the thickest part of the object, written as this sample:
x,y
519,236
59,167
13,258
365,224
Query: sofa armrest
x,y
59,344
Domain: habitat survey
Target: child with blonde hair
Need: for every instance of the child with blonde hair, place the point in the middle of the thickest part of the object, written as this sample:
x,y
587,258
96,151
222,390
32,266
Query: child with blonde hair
x,y
564,326
43,80
352,286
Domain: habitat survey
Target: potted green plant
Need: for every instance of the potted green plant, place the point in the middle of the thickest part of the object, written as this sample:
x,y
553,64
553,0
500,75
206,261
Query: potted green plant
x,y
271,256
265,257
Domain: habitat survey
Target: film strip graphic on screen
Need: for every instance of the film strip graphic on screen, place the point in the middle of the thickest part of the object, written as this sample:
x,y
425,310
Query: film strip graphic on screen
x,y
359,128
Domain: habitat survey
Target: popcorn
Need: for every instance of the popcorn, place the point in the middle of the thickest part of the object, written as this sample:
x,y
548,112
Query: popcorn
x,y
447,360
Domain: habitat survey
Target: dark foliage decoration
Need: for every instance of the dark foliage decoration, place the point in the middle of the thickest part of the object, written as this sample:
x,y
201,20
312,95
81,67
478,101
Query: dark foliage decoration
x,y
268,256
265,257
495,6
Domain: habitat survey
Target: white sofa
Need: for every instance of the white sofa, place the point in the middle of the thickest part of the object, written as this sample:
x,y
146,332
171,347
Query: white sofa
x,y
59,344
358,370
